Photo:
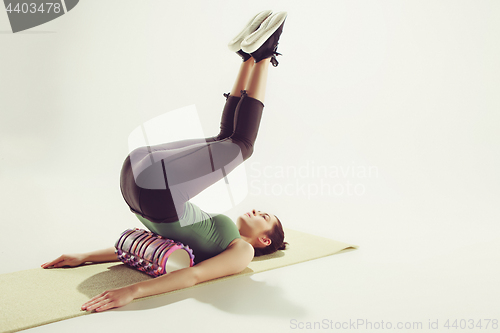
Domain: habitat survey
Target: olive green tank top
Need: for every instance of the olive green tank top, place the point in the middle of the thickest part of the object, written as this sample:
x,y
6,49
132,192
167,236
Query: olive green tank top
x,y
207,238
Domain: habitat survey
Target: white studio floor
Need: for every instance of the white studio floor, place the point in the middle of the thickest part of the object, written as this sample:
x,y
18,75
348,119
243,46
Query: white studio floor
x,y
381,129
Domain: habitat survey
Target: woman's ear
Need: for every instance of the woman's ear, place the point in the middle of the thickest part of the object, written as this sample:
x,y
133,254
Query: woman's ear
x,y
264,240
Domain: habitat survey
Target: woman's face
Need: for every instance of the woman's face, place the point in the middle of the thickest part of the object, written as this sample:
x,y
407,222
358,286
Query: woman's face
x,y
255,222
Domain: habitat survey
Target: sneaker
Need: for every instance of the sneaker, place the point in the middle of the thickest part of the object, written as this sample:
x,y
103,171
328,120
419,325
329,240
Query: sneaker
x,y
251,26
263,43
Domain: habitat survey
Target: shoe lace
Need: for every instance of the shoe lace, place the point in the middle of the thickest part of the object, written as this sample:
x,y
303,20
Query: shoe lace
x,y
274,61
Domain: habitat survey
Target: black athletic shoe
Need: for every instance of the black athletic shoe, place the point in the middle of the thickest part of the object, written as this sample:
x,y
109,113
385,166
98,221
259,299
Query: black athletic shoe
x,y
263,43
251,27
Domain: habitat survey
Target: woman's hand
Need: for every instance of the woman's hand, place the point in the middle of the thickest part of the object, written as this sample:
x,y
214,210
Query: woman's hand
x,y
66,260
110,299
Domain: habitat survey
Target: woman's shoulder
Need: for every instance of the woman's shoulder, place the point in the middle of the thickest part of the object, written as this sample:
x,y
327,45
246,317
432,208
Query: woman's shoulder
x,y
240,243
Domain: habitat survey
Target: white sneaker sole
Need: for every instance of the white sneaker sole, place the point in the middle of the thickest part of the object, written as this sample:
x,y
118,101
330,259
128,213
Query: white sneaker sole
x,y
256,39
250,27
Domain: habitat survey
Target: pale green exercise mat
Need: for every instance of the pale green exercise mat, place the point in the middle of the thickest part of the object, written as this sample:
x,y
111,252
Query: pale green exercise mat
x,y
40,296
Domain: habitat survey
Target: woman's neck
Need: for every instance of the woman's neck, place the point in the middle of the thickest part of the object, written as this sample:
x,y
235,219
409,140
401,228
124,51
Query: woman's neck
x,y
247,239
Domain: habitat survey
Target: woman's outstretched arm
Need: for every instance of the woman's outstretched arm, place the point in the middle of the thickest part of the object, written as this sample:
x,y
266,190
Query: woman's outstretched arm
x,y
105,255
233,260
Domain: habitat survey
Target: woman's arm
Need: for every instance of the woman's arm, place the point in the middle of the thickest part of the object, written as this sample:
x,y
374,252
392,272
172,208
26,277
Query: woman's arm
x,y
233,260
106,255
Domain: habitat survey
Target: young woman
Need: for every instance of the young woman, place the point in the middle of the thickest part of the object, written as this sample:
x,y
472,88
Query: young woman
x,y
158,181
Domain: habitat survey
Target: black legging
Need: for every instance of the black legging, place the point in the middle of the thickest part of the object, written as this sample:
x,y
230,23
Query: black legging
x,y
156,181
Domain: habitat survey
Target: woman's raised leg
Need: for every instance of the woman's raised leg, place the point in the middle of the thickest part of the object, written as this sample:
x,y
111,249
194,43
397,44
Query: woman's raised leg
x,y
158,178
243,77
174,176
186,172
249,110
256,85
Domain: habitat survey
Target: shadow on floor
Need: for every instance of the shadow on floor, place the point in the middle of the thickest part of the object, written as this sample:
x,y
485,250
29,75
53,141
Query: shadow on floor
x,y
237,295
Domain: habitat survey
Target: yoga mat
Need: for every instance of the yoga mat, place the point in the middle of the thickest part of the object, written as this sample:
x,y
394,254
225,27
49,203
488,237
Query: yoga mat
x,y
40,296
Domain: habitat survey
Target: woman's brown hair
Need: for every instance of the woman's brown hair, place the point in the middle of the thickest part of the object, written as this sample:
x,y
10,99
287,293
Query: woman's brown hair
x,y
277,236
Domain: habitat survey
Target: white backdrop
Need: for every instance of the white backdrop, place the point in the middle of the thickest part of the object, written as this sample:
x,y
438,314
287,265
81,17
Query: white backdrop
x,y
397,101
